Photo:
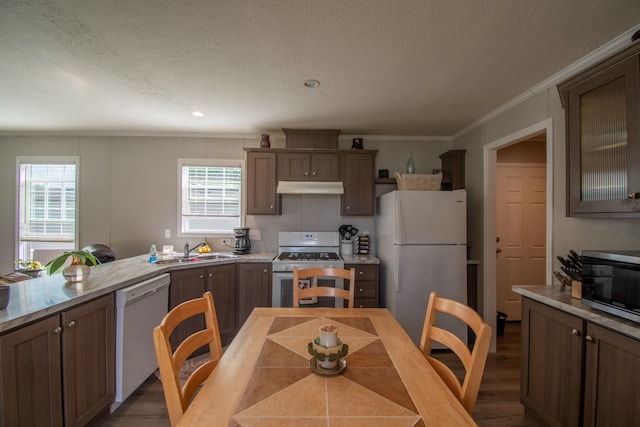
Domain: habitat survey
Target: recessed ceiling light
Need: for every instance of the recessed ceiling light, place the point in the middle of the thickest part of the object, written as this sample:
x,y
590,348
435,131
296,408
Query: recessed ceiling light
x,y
198,114
311,83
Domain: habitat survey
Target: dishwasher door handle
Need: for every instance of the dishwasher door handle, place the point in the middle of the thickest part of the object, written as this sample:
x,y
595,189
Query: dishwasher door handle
x,y
146,294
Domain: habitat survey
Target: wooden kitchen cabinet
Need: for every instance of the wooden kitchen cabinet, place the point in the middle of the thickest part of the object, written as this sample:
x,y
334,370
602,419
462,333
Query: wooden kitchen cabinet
x,y
576,373
60,370
551,361
262,184
359,183
193,283
305,166
367,285
612,378
254,288
186,285
601,106
221,281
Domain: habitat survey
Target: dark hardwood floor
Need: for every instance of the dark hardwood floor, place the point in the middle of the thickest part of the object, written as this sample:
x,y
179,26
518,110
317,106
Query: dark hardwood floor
x,y
498,401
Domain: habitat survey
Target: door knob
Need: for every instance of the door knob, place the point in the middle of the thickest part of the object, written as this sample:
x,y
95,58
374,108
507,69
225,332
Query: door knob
x,y
497,240
498,250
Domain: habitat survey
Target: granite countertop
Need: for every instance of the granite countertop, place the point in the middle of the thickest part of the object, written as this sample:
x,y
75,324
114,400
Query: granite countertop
x,y
37,298
561,299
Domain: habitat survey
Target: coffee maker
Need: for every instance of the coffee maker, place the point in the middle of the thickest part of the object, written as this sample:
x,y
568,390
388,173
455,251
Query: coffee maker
x,y
243,244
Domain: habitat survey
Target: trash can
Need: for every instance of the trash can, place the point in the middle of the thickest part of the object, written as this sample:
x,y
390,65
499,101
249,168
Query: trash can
x,y
501,322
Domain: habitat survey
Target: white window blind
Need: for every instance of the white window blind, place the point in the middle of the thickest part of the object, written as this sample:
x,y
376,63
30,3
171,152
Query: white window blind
x,y
211,197
47,205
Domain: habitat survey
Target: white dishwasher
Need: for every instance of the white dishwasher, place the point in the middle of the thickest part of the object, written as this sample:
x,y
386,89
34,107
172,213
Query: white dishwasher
x,y
139,309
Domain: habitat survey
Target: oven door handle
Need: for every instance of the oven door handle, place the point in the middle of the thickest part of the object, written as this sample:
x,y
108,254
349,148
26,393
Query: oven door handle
x,y
283,274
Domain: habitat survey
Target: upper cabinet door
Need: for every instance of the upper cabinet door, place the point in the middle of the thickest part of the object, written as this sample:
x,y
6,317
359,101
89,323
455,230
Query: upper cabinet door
x,y
304,166
262,198
603,138
359,190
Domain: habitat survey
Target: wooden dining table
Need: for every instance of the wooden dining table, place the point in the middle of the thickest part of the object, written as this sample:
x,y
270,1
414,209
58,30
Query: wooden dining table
x,y
265,377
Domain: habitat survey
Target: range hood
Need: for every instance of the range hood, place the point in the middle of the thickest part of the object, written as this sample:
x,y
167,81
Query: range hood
x,y
310,187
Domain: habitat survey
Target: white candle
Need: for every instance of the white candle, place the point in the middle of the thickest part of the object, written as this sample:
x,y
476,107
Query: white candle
x,y
329,335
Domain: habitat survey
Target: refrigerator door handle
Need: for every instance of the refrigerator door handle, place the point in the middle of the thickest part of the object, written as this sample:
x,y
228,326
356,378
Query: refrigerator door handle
x,y
398,264
397,235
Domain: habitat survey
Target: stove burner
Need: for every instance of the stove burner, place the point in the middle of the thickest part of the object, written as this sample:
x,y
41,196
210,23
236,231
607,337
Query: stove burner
x,y
308,256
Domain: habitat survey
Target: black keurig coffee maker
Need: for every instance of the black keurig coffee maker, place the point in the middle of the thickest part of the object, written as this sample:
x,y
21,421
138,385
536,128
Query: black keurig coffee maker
x,y
243,244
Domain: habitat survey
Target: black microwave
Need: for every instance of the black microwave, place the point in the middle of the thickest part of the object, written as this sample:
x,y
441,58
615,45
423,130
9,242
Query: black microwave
x,y
611,282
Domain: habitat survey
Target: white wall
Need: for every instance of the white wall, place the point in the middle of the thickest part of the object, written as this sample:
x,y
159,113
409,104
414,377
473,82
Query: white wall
x,y
128,187
568,232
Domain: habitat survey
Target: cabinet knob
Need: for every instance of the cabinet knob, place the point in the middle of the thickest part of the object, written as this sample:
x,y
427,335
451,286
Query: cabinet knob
x,y
210,274
634,195
57,330
271,206
72,324
264,271
306,174
575,332
348,207
361,272
202,276
313,173
361,290
589,338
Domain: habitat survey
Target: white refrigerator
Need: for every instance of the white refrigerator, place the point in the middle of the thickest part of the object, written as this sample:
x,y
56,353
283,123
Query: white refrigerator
x,y
422,246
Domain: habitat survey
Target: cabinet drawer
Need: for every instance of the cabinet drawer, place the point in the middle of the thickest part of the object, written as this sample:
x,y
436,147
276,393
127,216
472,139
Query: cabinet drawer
x,y
365,303
365,272
365,290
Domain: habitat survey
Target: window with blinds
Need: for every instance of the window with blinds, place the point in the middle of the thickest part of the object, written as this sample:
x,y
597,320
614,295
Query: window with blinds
x,y
211,197
47,206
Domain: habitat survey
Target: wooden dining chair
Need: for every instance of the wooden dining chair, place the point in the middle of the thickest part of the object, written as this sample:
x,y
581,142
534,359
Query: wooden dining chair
x,y
323,291
177,397
473,360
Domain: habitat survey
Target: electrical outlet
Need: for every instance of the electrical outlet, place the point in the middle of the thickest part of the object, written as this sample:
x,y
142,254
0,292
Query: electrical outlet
x,y
254,234
167,233
226,242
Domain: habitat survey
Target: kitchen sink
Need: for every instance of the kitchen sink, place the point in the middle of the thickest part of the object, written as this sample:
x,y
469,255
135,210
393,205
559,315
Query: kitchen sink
x,y
216,255
212,256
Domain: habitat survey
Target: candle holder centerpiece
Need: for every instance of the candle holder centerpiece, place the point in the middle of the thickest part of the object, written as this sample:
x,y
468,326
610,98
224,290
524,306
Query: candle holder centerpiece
x,y
328,351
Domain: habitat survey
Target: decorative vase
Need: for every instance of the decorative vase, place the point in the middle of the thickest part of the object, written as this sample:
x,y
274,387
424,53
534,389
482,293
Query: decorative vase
x,y
356,144
77,271
410,167
5,294
264,141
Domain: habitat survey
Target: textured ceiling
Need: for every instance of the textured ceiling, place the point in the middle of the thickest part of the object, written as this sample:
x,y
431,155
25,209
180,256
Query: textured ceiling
x,y
386,67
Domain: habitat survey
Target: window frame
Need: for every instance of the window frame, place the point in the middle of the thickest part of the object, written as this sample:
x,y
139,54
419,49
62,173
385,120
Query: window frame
x,y
239,163
46,160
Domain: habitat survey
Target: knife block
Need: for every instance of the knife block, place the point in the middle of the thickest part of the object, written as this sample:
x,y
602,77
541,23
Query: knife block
x,y
576,289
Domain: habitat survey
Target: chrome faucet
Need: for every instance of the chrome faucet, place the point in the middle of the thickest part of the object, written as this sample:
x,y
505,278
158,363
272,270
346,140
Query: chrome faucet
x,y
188,250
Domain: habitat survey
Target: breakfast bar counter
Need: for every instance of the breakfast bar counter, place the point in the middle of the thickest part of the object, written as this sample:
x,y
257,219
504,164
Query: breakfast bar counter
x,y
266,378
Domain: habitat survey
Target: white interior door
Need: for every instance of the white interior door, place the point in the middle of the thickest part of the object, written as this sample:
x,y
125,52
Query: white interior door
x,y
521,232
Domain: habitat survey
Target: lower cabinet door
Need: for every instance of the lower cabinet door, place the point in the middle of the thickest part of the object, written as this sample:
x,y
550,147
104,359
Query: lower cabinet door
x,y
88,354
221,281
551,361
186,285
612,378
31,386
